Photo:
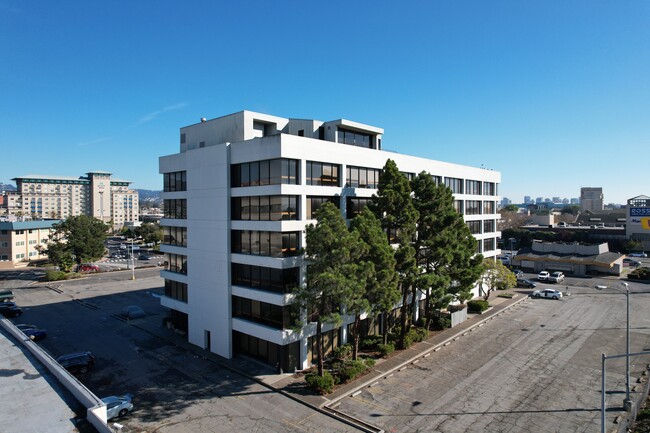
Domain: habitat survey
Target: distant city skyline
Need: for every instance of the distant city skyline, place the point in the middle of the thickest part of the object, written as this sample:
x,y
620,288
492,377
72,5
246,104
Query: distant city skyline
x,y
554,95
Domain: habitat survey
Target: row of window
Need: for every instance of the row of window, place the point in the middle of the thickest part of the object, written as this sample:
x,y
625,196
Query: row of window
x,y
354,138
473,207
175,181
176,263
176,290
279,171
361,177
265,208
176,236
275,316
262,243
475,226
269,279
175,208
323,174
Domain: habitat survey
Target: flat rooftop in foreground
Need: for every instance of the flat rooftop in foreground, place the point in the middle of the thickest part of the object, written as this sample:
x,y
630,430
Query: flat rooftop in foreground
x,y
31,399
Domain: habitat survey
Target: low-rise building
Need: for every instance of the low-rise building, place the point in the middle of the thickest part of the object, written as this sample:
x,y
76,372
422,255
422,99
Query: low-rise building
x,y
21,242
573,258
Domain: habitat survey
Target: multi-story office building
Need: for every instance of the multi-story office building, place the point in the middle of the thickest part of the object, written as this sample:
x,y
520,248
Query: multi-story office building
x,y
237,198
96,194
591,198
20,241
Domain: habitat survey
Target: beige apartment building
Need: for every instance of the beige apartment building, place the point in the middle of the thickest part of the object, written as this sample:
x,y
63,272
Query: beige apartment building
x,y
97,194
19,241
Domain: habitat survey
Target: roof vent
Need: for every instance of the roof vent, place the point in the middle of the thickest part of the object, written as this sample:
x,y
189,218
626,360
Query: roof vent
x,y
203,119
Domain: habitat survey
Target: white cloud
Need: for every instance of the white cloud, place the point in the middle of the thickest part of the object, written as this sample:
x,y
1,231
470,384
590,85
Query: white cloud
x,y
151,116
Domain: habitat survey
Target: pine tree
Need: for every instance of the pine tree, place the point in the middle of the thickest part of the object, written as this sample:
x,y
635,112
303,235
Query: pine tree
x,y
380,292
393,206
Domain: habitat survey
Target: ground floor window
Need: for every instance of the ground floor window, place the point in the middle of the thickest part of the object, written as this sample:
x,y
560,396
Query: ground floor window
x,y
283,358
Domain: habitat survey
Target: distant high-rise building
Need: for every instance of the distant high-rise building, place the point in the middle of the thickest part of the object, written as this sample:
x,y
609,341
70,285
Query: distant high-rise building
x,y
96,194
539,200
591,198
574,200
565,201
527,199
505,201
557,200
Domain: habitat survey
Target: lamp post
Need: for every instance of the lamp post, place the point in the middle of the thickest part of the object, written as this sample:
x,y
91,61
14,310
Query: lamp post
x,y
627,403
132,262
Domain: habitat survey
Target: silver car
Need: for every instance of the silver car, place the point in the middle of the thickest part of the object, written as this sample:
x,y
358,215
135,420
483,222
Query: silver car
x,y
117,405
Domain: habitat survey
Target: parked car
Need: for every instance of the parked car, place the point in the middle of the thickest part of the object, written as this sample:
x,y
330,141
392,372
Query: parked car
x,y
543,276
631,262
133,312
527,284
79,362
117,405
9,309
518,273
555,277
144,257
32,331
638,254
88,267
547,293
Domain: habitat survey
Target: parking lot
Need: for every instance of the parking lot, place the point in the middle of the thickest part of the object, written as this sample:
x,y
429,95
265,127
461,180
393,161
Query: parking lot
x,y
535,368
174,389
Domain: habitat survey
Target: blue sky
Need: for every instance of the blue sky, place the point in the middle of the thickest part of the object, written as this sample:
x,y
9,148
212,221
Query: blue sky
x,y
553,94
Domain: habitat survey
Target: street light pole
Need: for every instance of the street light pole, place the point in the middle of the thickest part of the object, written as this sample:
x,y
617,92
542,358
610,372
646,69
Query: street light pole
x,y
133,262
627,404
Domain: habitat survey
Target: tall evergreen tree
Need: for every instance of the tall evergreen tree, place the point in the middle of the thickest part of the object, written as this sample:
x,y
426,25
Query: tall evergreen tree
x,y
380,292
394,208
81,237
333,255
446,249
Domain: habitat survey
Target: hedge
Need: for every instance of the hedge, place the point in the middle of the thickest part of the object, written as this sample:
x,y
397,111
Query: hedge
x,y
322,384
477,306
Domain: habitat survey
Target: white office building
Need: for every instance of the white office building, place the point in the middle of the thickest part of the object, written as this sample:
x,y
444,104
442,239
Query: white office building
x,y
237,198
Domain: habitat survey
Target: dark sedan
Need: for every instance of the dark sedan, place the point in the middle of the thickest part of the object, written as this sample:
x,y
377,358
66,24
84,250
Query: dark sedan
x,y
522,282
9,309
32,331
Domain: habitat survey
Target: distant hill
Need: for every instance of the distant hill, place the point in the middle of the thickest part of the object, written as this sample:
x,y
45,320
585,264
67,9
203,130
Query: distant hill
x,y
7,187
149,196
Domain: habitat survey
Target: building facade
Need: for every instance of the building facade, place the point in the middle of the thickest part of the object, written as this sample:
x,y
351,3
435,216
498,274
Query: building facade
x,y
637,226
20,241
591,198
96,194
237,198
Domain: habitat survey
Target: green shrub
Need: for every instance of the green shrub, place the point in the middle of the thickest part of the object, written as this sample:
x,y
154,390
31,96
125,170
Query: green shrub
x,y
321,384
440,323
506,295
352,370
342,352
55,275
419,334
385,349
370,362
639,274
370,342
477,305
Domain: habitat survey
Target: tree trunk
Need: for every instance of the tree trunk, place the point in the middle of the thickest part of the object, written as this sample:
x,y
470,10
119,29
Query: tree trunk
x,y
355,336
404,315
319,345
427,310
384,326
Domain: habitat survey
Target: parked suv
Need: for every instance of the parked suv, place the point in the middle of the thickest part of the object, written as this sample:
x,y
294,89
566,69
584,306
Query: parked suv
x,y
555,277
543,276
79,362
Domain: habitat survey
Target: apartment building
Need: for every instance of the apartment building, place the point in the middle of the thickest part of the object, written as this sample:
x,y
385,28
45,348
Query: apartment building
x,y
19,241
237,198
95,194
